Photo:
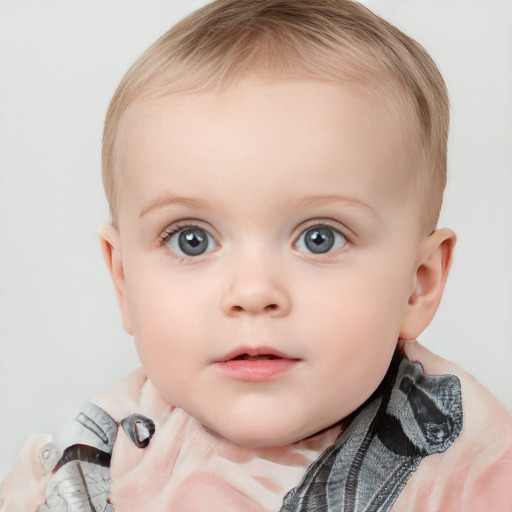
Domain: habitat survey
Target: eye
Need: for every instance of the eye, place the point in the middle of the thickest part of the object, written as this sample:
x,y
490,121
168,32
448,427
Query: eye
x,y
190,241
320,240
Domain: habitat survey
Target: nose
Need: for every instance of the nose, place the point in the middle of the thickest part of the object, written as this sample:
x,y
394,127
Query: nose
x,y
255,289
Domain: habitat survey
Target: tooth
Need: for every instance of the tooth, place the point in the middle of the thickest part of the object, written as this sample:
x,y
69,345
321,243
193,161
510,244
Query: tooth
x,y
261,357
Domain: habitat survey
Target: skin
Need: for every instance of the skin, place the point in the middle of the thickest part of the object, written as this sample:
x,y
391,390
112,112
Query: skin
x,y
255,166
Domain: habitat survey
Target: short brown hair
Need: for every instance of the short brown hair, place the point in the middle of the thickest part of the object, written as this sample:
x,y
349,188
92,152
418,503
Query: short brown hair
x,y
324,39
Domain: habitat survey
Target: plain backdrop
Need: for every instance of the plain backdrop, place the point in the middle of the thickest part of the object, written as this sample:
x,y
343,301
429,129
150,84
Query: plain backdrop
x,y
61,338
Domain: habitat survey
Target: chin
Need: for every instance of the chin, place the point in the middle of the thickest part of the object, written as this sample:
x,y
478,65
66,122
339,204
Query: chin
x,y
257,441
266,435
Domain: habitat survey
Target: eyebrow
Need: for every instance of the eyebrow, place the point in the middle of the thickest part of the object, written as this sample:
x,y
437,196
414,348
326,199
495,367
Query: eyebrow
x,y
160,202
317,200
164,201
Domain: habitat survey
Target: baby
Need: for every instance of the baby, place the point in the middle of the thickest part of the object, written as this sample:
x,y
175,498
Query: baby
x,y
275,171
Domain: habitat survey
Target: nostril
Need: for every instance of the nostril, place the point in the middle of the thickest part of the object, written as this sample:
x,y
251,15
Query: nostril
x,y
241,309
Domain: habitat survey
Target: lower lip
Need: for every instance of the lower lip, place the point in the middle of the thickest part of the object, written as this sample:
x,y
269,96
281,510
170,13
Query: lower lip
x,y
260,370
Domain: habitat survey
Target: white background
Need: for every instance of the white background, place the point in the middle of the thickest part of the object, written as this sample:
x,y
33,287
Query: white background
x,y
61,339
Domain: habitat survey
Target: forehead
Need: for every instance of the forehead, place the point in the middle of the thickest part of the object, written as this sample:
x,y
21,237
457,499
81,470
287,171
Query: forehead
x,y
267,133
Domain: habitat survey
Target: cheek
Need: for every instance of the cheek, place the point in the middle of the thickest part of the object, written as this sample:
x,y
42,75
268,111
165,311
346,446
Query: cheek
x,y
166,317
357,327
357,317
362,299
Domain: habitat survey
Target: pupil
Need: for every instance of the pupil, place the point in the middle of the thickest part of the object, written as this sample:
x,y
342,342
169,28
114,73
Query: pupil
x,y
193,241
319,240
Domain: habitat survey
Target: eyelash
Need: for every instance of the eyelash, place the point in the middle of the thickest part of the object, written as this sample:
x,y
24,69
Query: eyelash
x,y
174,229
319,225
322,224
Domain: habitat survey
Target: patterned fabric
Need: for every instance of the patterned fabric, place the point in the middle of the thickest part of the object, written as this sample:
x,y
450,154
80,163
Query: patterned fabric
x,y
410,416
80,459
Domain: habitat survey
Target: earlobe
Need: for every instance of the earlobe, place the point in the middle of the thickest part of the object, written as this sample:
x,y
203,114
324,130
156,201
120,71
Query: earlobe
x,y
111,248
434,261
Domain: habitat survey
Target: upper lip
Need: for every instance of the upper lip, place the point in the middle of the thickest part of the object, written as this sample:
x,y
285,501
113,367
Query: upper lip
x,y
254,351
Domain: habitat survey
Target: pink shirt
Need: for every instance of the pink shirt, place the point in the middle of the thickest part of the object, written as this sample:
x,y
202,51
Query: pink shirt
x,y
187,468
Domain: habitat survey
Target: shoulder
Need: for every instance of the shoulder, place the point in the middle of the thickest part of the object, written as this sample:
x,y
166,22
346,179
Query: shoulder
x,y
475,473
77,459
25,487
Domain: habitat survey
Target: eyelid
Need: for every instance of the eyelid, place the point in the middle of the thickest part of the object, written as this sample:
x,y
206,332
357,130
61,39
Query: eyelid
x,y
321,223
181,225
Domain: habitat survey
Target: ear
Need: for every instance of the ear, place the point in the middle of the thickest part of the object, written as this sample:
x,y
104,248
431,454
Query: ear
x,y
434,262
111,248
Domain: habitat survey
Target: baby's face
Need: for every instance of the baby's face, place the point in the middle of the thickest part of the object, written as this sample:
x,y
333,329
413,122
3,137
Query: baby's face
x,y
270,245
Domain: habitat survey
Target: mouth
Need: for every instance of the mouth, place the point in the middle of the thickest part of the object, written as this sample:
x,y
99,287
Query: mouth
x,y
262,357
261,353
258,364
